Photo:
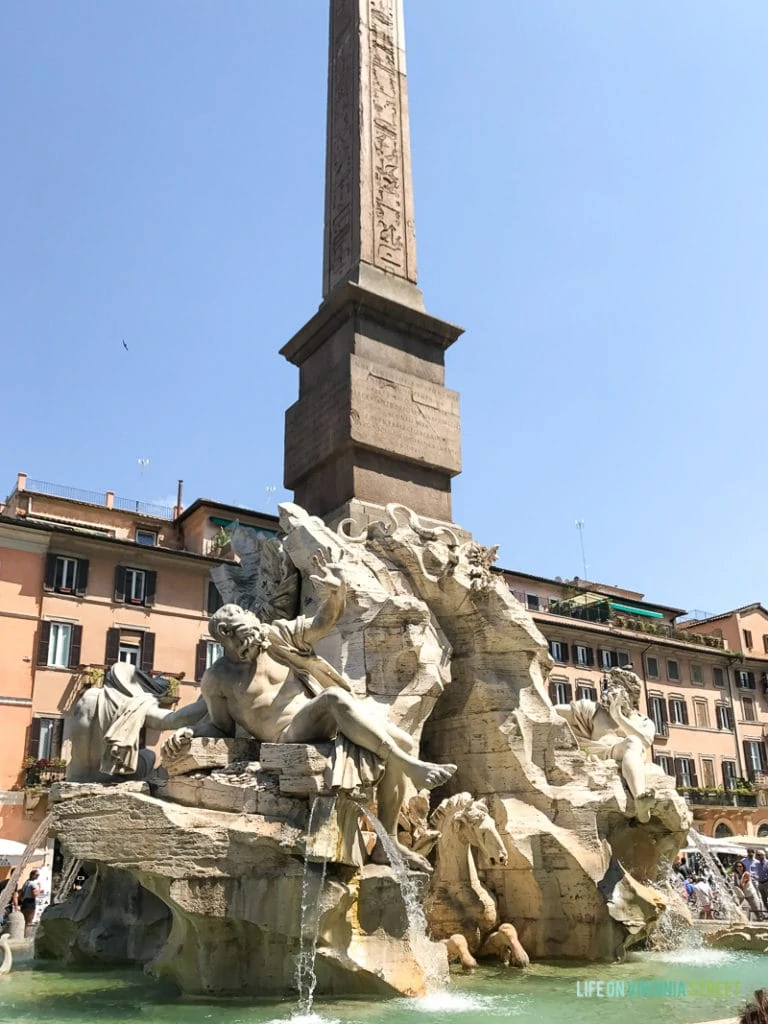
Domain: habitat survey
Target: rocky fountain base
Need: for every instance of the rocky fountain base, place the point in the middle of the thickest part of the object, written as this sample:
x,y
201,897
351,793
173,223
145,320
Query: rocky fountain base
x,y
201,874
202,882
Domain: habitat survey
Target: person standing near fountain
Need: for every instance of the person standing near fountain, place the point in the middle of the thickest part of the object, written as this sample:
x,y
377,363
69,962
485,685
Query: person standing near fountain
x,y
760,875
28,899
271,683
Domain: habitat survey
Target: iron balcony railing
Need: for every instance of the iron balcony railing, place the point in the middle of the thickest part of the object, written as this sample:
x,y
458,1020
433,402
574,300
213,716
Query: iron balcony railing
x,y
142,508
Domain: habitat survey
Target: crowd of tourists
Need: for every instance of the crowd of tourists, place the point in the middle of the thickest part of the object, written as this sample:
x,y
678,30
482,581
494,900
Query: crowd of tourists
x,y
747,879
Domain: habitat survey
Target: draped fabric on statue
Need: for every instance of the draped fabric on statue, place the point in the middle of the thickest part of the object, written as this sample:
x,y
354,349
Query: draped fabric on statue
x,y
125,698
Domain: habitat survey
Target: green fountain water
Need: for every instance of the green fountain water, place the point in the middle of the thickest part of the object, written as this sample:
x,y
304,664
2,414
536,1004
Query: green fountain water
x,y
543,993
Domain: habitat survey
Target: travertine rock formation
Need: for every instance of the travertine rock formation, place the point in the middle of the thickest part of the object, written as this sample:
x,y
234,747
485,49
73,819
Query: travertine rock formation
x,y
431,639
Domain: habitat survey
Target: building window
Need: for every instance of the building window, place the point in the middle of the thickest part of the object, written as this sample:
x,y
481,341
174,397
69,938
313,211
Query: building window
x,y
724,717
747,638
586,692
745,680
685,772
45,735
560,691
678,711
532,602
729,775
718,677
146,537
701,713
214,600
213,652
132,646
697,676
724,831
765,642
754,755
666,764
129,653
612,659
65,575
748,709
59,645
135,586
558,650
582,655
708,772
657,710
652,666
673,669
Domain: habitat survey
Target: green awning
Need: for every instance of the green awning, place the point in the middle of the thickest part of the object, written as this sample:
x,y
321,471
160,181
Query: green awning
x,y
634,611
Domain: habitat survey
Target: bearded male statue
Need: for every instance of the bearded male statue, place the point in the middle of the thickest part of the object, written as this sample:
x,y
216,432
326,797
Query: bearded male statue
x,y
272,684
614,729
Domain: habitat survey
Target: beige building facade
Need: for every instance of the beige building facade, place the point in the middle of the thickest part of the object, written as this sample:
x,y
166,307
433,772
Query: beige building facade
x,y
88,579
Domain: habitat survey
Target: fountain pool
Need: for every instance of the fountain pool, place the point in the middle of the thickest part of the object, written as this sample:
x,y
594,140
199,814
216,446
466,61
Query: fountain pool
x,y
542,993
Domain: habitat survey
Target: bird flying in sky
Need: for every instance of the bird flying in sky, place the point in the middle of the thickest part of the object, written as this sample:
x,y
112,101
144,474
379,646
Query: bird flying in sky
x,y
124,345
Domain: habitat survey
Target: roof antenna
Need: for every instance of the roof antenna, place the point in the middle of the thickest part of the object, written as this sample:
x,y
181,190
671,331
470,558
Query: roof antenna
x,y
580,528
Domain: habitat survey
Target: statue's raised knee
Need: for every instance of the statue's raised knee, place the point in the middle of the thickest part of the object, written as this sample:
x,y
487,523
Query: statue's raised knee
x,y
504,944
459,950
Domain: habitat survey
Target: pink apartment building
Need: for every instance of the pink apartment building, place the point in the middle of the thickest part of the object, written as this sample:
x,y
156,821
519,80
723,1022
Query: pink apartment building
x,y
88,579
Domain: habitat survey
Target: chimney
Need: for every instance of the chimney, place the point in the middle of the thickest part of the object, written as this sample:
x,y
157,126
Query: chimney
x,y
21,482
179,508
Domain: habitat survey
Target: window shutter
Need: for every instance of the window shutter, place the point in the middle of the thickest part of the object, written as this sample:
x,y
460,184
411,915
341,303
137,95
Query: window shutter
x,y
564,650
74,648
113,647
590,656
600,656
678,771
120,584
214,601
33,743
623,659
56,737
201,652
49,579
552,695
694,776
763,761
148,652
684,709
150,588
751,680
574,654
568,693
43,642
81,584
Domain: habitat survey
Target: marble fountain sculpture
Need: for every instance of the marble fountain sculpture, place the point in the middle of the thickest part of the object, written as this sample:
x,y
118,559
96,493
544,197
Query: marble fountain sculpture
x,y
377,738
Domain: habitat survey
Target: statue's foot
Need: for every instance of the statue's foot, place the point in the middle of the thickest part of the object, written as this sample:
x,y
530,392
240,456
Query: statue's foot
x,y
426,775
414,861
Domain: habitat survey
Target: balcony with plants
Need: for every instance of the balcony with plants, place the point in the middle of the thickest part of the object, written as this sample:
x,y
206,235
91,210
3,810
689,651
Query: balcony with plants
x,y
742,794
597,608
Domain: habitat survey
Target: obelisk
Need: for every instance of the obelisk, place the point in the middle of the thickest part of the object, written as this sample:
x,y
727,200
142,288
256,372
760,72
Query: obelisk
x,y
374,422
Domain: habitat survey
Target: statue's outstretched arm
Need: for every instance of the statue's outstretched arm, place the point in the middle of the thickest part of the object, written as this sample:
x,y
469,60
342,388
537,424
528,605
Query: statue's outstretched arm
x,y
157,718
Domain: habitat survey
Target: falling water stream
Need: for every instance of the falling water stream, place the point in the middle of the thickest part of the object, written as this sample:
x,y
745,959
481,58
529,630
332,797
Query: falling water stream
x,y
724,899
312,884
422,948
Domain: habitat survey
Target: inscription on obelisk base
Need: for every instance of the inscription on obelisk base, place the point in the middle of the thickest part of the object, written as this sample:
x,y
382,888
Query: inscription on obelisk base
x,y
374,422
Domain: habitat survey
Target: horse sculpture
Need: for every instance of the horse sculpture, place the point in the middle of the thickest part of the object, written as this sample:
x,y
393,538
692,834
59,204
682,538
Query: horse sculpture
x,y
460,910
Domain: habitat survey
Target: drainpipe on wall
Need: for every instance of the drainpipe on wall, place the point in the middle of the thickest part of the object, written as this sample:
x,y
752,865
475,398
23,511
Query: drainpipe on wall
x,y
645,688
737,739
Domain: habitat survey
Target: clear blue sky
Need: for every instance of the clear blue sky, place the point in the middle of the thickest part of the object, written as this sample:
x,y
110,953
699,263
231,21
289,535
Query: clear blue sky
x,y
591,205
